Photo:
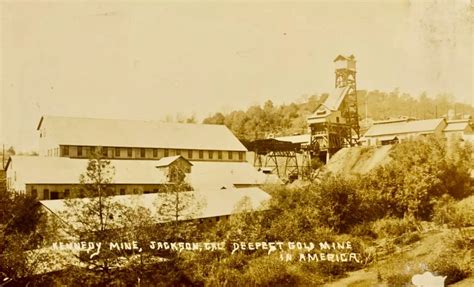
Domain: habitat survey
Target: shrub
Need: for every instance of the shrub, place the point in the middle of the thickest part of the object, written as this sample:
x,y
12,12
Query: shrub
x,y
418,172
455,261
399,280
392,227
269,271
408,238
453,271
364,229
339,203
454,214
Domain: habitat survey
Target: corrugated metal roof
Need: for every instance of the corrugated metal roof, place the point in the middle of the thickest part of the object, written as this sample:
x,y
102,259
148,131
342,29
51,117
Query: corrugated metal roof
x,y
459,126
62,170
394,128
205,175
207,203
136,133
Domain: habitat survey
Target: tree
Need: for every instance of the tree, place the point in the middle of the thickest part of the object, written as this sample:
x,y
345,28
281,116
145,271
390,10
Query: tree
x,y
217,119
177,205
419,173
11,151
191,119
92,217
20,224
245,224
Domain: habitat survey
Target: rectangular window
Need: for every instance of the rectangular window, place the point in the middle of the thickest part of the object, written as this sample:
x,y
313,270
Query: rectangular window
x,y
129,152
54,195
229,154
241,155
147,191
79,151
219,154
46,194
142,152
201,154
65,151
178,152
91,150
211,154
166,152
34,193
117,152
104,152
67,193
122,191
155,152
190,154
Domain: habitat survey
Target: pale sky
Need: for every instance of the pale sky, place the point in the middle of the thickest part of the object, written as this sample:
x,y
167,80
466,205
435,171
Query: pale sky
x,y
156,58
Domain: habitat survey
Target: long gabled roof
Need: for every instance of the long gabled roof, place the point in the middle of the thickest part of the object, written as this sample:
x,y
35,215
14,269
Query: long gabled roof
x,y
208,203
137,133
206,175
394,128
63,170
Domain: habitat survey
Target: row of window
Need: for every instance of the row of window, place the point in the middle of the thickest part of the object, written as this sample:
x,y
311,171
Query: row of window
x,y
53,194
117,151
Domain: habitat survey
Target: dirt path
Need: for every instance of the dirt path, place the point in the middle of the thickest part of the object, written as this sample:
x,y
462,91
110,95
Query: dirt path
x,y
358,278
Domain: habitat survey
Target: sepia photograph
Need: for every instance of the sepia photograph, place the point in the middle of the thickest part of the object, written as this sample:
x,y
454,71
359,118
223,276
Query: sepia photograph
x,y
237,143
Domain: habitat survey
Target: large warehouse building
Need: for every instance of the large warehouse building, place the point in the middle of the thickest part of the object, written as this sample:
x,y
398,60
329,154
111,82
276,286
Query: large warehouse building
x,y
141,153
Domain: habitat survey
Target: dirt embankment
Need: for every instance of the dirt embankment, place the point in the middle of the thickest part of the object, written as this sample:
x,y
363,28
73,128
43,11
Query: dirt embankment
x,y
358,160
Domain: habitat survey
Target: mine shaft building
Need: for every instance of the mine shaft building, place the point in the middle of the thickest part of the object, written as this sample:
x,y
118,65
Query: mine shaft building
x,y
335,123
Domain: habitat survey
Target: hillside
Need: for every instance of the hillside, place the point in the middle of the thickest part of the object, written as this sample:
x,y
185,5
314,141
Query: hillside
x,y
261,121
414,258
358,160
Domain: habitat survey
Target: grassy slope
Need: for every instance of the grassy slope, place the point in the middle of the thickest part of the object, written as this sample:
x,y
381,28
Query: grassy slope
x,y
412,260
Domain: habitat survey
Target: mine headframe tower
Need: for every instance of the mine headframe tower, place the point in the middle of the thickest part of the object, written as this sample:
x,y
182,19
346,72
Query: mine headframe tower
x,y
335,124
